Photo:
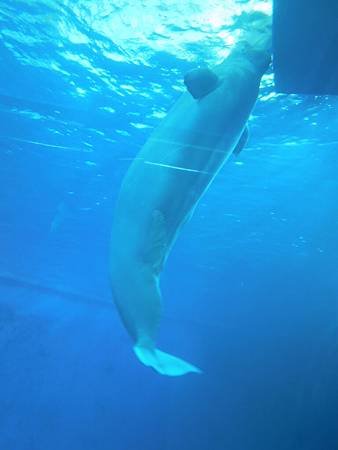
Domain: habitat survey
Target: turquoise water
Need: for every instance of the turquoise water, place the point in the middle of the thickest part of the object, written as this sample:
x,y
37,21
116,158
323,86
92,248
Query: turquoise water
x,y
250,289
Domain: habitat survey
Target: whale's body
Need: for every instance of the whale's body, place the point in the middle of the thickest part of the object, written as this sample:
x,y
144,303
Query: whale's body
x,y
162,187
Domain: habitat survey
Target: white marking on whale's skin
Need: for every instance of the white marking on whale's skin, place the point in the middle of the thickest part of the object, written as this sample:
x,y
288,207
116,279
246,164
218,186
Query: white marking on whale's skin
x,y
165,182
173,167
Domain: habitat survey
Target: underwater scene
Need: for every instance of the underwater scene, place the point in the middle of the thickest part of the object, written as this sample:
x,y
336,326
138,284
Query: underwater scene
x,y
168,232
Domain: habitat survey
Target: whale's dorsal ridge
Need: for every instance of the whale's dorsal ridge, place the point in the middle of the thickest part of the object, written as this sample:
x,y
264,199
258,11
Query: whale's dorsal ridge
x,y
200,82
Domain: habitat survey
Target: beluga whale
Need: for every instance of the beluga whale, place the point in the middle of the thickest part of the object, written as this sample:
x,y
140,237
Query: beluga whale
x,y
168,177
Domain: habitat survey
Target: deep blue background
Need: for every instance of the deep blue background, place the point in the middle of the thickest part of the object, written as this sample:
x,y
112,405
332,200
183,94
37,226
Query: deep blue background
x,y
250,290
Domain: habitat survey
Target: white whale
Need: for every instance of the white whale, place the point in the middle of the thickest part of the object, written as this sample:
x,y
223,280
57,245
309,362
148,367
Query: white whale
x,y
169,176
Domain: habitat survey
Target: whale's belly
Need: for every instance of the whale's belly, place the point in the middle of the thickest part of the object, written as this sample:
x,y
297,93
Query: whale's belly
x,y
176,165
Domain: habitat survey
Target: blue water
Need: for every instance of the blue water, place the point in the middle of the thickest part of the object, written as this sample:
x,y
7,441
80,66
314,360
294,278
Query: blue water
x,y
250,289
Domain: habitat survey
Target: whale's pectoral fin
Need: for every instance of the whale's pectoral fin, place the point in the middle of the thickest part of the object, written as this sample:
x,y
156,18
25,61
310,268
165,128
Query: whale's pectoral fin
x,y
242,142
155,247
200,82
164,363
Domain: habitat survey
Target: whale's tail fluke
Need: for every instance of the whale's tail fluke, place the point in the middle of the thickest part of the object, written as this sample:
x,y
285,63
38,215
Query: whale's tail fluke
x,y
164,363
